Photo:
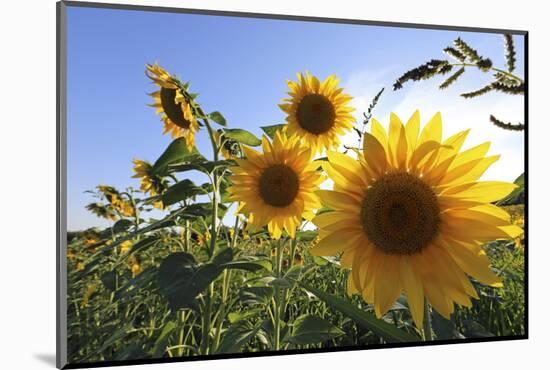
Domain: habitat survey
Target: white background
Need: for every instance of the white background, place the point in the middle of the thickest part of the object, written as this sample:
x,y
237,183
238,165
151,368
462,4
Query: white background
x,y
27,168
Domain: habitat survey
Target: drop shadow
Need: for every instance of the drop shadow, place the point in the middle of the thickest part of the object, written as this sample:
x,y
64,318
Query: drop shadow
x,y
46,358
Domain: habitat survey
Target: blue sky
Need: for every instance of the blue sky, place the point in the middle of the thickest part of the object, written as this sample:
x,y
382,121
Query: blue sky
x,y
239,67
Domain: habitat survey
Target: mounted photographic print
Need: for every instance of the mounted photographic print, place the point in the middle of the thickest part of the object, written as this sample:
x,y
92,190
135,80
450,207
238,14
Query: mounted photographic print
x,y
235,184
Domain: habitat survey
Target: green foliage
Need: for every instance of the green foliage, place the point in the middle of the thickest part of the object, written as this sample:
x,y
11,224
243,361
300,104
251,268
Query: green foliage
x,y
271,130
364,319
242,136
308,329
218,118
176,152
181,191
518,195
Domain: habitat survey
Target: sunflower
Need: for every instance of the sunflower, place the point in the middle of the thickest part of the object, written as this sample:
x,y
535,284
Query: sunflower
x,y
124,207
317,111
149,183
276,187
410,214
175,104
101,210
90,290
115,199
125,246
135,266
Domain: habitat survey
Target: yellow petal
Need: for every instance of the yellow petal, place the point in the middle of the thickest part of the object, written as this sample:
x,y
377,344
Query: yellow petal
x,y
414,290
387,284
471,154
337,200
374,153
334,243
432,130
474,264
377,130
412,128
485,191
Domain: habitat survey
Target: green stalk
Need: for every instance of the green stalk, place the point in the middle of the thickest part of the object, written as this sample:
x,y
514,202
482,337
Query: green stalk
x,y
213,239
207,320
278,303
187,235
181,336
427,325
215,150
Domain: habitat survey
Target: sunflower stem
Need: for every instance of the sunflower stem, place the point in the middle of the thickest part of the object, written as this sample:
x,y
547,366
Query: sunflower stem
x,y
427,325
277,323
215,151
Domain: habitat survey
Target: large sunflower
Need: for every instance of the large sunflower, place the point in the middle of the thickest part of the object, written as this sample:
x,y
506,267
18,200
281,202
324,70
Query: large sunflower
x,y
174,102
318,111
410,214
276,187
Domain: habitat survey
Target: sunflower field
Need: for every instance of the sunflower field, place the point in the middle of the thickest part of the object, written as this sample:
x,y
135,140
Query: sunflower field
x,y
395,240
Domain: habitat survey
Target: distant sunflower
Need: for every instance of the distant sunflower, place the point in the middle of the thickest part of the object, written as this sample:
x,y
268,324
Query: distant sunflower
x,y
135,266
174,102
318,111
101,210
114,197
276,187
125,246
410,214
124,207
149,183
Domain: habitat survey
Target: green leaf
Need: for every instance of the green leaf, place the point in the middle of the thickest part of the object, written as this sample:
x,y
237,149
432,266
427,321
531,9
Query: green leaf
x,y
118,335
256,295
196,210
310,329
242,136
223,257
306,236
320,261
122,225
238,316
143,244
364,319
133,285
218,118
176,152
204,166
517,196
182,190
181,279
281,283
294,272
271,130
249,263
160,344
174,271
109,279
237,336
443,328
